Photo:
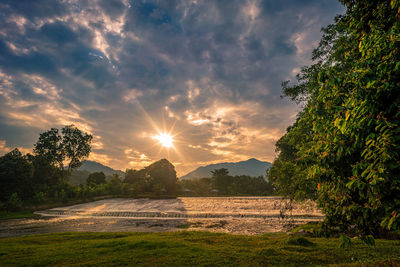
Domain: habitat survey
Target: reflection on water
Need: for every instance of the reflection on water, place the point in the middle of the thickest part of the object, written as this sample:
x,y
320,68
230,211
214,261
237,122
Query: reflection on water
x,y
238,215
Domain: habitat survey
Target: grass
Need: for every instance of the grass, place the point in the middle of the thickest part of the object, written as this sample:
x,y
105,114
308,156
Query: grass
x,y
5,215
191,248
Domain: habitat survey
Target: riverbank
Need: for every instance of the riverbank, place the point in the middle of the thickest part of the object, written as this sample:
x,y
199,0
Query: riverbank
x,y
191,249
29,211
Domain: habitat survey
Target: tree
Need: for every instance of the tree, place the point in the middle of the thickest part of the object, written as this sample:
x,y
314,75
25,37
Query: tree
x,y
96,178
137,179
48,147
289,169
15,176
162,174
72,146
47,177
221,180
159,176
75,146
115,184
352,98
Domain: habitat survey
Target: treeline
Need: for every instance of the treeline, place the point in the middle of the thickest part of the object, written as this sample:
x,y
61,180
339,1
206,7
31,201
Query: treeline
x,y
159,179
223,184
156,180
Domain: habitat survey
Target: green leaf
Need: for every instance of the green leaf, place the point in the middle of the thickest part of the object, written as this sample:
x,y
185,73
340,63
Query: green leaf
x,y
345,242
349,185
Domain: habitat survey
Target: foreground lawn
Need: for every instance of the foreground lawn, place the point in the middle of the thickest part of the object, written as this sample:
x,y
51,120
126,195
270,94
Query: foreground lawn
x,y
190,248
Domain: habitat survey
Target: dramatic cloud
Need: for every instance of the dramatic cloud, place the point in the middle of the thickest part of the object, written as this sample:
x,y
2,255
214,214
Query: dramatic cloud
x,y
209,72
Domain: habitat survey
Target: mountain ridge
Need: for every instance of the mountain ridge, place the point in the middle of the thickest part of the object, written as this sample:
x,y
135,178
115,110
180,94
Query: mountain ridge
x,y
251,167
94,166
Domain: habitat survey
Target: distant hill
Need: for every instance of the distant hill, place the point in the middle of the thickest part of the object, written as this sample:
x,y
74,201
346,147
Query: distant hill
x,y
93,166
251,167
80,175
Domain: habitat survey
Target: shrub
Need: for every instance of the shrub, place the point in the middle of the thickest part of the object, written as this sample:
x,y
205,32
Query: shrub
x,y
14,203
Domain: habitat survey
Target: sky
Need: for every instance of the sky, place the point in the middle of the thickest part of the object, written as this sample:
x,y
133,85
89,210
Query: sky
x,y
208,73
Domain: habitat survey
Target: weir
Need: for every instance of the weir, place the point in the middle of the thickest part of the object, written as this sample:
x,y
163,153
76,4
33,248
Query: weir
x,y
167,215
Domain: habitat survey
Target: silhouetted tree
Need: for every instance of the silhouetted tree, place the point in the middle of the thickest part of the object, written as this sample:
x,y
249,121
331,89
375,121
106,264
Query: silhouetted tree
x,y
15,176
157,177
115,185
75,146
162,174
137,180
96,178
72,146
221,180
48,147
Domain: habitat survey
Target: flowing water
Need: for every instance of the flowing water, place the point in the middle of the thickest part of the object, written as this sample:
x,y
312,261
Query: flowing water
x,y
238,215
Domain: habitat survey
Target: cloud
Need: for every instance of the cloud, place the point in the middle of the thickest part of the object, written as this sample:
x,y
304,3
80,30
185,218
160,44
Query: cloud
x,y
209,72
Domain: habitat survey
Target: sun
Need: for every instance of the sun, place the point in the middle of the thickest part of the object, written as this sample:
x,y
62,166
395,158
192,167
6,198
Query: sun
x,y
165,139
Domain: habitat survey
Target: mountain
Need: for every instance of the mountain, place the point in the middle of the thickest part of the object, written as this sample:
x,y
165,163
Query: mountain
x,y
251,167
93,166
80,175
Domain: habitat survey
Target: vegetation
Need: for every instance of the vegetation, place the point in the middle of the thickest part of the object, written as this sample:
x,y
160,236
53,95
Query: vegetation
x,y
221,183
96,178
157,177
344,148
72,146
42,177
190,248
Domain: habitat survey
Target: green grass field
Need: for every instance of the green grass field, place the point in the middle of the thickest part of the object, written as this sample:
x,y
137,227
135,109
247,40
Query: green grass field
x,y
191,249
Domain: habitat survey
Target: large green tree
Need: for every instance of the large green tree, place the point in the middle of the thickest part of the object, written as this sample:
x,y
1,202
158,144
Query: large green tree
x,y
289,170
352,98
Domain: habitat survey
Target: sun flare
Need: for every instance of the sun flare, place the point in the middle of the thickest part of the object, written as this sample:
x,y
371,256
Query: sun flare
x,y
164,139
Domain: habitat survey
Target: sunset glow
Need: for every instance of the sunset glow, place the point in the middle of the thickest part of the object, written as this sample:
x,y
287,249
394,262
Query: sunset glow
x,y
164,139
194,82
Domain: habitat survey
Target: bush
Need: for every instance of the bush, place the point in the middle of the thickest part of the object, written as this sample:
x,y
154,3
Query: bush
x,y
39,197
14,203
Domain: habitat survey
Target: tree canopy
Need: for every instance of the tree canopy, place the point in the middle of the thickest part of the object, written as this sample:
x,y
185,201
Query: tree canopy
x,y
159,176
33,178
351,101
72,146
96,178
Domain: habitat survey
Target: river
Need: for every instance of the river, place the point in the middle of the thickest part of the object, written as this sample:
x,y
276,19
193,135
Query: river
x,y
236,215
